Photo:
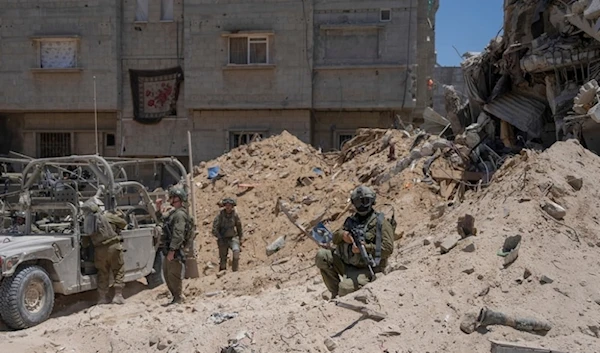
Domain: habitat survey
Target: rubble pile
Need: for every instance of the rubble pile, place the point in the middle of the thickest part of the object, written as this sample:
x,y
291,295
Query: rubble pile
x,y
537,83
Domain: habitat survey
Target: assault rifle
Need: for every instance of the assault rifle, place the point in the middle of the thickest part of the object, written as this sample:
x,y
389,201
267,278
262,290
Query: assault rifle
x,y
164,249
358,237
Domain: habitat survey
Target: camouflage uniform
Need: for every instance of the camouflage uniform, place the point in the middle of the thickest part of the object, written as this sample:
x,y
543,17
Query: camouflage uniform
x,y
227,227
173,239
108,258
342,262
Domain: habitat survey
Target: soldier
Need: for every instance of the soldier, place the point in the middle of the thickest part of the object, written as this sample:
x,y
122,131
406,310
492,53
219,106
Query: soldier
x,y
19,225
345,260
175,232
108,252
227,227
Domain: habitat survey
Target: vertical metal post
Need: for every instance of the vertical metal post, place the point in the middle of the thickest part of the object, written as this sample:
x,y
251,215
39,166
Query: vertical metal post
x,y
95,117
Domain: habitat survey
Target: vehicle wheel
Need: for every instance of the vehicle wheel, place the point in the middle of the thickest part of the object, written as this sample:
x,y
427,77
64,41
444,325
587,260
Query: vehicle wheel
x,y
26,298
156,279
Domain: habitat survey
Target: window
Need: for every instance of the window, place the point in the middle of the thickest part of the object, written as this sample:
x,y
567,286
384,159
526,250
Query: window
x,y
54,144
241,138
110,140
166,10
141,11
58,53
248,50
341,138
385,15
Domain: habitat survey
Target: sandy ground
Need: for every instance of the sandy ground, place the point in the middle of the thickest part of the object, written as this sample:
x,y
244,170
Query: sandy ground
x,y
425,295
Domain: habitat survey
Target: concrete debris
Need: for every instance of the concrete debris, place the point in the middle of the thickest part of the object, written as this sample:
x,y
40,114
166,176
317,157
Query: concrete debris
x,y
510,249
438,211
330,344
466,226
469,248
575,181
526,274
218,318
427,241
449,243
546,280
275,246
469,270
555,210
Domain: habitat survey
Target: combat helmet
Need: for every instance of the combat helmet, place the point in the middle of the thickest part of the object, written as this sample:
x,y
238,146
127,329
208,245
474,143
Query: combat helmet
x,y
228,200
363,198
178,192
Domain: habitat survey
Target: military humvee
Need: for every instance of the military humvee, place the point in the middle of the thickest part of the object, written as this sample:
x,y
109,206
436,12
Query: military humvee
x,y
45,250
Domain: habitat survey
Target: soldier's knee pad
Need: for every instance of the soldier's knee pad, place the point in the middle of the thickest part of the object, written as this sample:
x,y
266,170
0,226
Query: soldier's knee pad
x,y
323,259
236,254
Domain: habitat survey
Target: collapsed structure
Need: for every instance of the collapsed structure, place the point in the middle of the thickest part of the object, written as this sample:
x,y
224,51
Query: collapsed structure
x,y
537,83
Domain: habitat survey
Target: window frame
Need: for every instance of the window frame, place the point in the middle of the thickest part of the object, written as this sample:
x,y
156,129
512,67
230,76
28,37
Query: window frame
x,y
264,40
147,8
249,133
71,139
338,134
69,38
162,13
381,11
106,145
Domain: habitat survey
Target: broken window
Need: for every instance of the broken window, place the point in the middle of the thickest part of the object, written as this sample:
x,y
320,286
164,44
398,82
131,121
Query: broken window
x,y
241,138
385,15
248,50
54,144
342,138
141,11
166,10
58,53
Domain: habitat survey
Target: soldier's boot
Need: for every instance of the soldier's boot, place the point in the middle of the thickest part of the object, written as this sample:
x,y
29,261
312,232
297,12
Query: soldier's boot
x,y
118,298
235,262
178,299
103,297
223,265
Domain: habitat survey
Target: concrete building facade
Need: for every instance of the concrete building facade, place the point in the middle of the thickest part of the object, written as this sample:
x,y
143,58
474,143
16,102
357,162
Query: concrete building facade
x,y
319,69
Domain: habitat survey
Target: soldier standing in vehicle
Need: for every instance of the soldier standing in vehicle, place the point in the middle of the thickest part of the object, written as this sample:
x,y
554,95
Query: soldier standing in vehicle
x,y
227,227
19,227
344,270
175,227
108,252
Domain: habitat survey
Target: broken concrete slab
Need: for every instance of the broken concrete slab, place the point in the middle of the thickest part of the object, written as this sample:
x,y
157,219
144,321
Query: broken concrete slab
x,y
546,280
466,226
469,248
510,249
449,243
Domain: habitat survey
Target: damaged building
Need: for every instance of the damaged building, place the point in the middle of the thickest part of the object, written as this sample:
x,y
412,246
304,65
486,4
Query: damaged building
x,y
227,72
536,84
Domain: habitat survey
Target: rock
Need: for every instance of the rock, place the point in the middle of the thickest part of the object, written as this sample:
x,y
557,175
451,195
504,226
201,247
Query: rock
x,y
317,280
427,241
363,298
546,280
284,175
557,190
469,270
415,154
275,246
153,341
466,226
484,292
310,290
401,268
449,243
597,301
221,273
469,248
555,210
162,345
575,181
326,295
330,344
437,243
469,323
438,211
526,273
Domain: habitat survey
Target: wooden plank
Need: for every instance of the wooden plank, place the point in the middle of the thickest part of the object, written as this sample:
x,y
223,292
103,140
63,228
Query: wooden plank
x,y
452,174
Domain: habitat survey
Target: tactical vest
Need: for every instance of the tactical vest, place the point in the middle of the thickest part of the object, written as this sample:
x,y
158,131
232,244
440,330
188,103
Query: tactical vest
x,y
373,235
227,224
104,234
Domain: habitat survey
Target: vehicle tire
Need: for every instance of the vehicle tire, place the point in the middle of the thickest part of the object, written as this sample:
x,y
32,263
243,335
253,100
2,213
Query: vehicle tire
x,y
156,279
26,298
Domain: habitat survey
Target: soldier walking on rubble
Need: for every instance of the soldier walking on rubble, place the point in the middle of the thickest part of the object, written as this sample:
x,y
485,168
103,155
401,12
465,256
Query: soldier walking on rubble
x,y
345,260
177,227
108,249
227,227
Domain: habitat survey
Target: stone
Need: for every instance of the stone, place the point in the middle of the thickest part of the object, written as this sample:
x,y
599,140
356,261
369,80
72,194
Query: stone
x,y
466,226
330,344
555,210
427,241
597,301
469,323
575,181
469,248
427,149
469,270
162,345
284,175
415,154
439,144
363,298
153,341
526,273
326,295
221,273
449,243
546,280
